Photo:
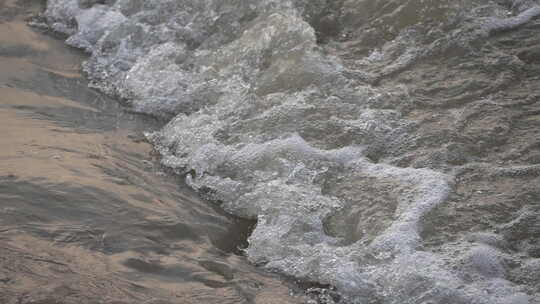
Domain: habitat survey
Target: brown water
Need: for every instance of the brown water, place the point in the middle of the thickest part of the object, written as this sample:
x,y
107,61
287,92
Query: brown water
x,y
86,214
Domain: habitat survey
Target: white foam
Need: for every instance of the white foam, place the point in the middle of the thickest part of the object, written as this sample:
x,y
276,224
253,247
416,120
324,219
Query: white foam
x,y
268,125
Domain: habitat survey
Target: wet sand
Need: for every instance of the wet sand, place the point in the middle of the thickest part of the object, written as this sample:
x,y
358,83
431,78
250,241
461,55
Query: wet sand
x,y
86,214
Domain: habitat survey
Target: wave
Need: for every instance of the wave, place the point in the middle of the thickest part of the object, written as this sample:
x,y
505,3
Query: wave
x,y
289,112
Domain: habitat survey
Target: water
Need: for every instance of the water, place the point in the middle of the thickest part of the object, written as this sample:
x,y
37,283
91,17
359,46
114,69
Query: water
x,y
87,214
386,148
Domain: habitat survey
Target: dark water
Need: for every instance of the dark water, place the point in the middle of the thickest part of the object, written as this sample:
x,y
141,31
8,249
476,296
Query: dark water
x,y
86,214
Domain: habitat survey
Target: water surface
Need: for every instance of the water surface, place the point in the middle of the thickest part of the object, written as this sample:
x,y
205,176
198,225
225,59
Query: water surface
x,y
86,214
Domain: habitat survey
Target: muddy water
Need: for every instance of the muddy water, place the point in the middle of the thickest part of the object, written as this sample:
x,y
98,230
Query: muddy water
x,y
86,214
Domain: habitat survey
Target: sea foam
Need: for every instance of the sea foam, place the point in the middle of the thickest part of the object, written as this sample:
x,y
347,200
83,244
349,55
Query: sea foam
x,y
275,127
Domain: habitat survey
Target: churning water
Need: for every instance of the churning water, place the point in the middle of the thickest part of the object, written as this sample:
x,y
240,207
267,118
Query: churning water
x,y
87,215
389,148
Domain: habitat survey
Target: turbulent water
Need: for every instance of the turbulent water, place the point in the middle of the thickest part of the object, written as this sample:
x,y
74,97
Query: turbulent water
x,y
387,148
87,214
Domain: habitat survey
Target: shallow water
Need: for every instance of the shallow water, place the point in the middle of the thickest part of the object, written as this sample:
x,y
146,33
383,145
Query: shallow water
x,y
386,147
86,213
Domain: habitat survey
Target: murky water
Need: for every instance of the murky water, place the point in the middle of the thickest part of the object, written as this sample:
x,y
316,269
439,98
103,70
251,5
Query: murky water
x,y
388,148
86,214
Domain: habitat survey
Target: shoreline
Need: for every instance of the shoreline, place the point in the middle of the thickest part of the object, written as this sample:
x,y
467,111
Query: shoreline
x,y
88,214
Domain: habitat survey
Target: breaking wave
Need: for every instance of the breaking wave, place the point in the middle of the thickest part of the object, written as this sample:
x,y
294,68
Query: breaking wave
x,y
343,127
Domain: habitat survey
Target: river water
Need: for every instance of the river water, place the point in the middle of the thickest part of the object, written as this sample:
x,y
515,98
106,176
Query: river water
x,y
86,213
